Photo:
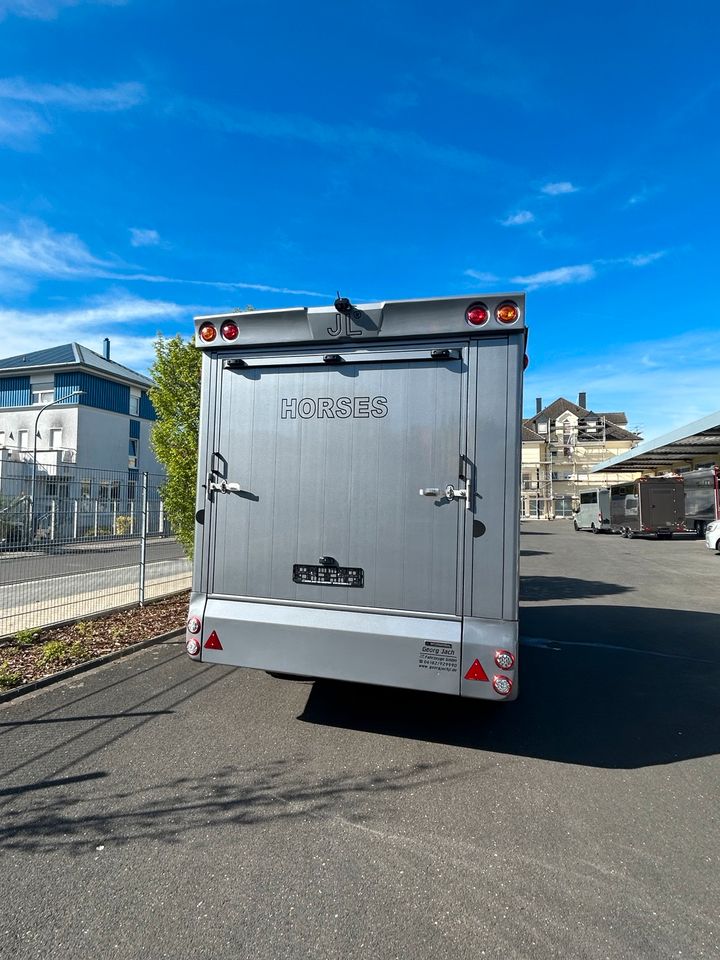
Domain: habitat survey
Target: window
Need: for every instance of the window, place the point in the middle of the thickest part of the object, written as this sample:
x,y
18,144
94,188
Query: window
x,y
42,396
115,490
132,453
85,489
590,497
56,438
134,404
57,487
23,439
2,438
104,490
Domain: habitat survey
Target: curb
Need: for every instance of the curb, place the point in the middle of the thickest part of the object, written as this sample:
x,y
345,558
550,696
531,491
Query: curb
x,y
88,665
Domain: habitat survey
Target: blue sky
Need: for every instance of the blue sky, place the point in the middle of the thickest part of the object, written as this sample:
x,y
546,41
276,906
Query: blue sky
x,y
163,159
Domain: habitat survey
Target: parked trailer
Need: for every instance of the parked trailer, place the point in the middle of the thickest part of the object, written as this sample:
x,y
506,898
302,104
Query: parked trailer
x,y
359,493
648,506
593,514
702,498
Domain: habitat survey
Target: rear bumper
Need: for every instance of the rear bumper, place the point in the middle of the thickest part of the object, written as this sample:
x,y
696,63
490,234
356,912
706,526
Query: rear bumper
x,y
394,650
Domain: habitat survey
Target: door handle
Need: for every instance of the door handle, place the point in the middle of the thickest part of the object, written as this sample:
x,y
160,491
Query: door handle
x,y
430,492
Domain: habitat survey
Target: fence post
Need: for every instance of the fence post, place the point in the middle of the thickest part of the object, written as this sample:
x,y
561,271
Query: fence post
x,y
52,519
143,536
75,520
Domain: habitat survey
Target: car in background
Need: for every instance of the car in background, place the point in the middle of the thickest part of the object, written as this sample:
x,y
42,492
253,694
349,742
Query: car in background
x,y
712,535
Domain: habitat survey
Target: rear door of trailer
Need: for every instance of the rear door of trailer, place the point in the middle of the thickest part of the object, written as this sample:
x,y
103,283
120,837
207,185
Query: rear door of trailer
x,y
326,463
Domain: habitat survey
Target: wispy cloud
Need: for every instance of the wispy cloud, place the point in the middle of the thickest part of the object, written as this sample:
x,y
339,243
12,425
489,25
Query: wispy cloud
x,y
36,251
47,9
301,128
556,189
659,384
582,272
120,96
144,238
482,276
518,219
21,129
578,273
96,319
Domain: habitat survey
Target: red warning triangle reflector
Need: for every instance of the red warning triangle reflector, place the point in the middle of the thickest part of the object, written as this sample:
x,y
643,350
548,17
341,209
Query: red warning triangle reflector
x,y
213,643
475,672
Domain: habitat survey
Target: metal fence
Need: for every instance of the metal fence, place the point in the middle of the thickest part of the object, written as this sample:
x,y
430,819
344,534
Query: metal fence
x,y
76,542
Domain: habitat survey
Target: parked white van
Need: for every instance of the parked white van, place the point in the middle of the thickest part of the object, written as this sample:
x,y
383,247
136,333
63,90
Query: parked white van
x,y
593,514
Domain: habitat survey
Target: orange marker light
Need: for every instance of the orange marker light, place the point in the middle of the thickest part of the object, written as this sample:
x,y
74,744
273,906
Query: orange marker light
x,y
207,332
507,312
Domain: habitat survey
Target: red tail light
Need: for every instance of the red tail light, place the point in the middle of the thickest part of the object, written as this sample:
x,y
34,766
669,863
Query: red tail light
x,y
192,645
477,314
230,330
194,625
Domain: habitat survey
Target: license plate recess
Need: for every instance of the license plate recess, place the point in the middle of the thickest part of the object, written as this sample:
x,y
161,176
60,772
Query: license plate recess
x,y
329,576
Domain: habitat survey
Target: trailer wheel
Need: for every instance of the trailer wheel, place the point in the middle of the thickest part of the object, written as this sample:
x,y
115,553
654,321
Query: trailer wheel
x,y
630,535
593,528
575,524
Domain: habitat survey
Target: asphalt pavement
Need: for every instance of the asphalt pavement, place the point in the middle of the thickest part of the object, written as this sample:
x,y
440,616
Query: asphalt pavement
x,y
160,808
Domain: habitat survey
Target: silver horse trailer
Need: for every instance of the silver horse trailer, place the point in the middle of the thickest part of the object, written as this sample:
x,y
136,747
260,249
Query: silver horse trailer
x,y
650,505
702,498
358,493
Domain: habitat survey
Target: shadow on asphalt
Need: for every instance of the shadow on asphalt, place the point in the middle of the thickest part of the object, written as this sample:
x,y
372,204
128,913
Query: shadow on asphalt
x,y
567,588
76,816
601,686
534,553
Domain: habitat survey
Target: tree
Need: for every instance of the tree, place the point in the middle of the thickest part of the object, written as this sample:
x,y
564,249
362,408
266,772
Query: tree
x,y
176,398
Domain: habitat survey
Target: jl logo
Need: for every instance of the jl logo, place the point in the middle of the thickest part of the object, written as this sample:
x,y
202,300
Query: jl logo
x,y
344,326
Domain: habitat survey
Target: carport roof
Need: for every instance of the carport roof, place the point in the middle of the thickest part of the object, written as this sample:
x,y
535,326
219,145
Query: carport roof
x,y
699,439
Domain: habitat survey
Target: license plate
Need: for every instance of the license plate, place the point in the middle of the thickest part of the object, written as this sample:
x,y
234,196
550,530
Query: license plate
x,y
328,576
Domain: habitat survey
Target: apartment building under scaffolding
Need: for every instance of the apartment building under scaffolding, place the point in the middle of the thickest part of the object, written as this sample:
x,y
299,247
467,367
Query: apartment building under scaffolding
x,y
562,442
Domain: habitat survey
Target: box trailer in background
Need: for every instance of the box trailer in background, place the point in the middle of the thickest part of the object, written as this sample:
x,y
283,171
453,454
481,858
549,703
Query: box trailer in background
x,y
702,498
358,494
593,513
648,506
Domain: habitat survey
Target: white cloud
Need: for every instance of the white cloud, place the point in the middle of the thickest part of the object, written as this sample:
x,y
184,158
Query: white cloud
x,y
36,251
47,9
20,128
659,384
556,189
643,259
144,238
120,96
518,219
343,136
92,321
579,273
482,276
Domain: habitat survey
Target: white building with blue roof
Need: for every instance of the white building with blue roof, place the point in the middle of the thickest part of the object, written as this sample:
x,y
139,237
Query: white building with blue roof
x,y
74,426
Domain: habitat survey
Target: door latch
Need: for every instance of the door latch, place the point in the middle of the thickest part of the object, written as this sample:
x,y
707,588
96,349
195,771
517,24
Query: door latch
x,y
223,486
462,494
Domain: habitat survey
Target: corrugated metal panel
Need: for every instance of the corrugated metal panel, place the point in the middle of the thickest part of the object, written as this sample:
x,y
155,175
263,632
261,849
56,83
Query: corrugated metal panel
x,y
147,410
100,393
14,391
134,429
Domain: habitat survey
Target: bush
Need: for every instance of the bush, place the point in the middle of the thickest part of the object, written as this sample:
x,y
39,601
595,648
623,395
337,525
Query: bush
x,y
9,677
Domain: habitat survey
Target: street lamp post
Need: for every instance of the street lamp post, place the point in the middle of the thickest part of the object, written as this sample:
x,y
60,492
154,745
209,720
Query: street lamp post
x,y
75,393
